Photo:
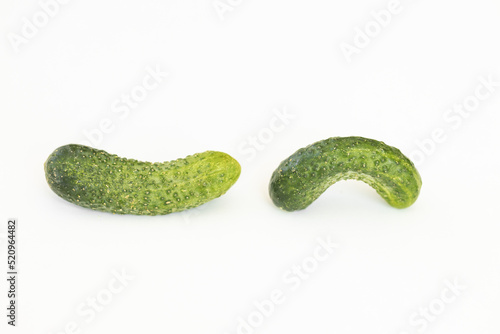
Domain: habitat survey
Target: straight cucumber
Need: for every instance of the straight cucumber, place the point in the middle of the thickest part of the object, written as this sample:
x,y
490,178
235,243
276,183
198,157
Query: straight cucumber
x,y
305,175
101,181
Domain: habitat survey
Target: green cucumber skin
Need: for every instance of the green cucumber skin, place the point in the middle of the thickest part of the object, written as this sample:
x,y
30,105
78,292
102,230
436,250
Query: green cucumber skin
x,y
305,175
101,181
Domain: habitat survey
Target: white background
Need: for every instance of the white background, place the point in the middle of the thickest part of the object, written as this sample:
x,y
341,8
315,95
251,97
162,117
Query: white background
x,y
228,73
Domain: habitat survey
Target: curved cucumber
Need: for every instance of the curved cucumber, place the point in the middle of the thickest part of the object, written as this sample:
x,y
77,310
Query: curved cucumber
x,y
101,181
305,175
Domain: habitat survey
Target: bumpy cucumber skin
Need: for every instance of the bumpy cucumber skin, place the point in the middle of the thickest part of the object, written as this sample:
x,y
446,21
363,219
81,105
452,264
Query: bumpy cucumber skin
x,y
101,181
305,175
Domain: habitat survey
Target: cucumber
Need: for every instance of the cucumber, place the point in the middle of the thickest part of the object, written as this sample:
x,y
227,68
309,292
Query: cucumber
x,y
101,181
305,175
